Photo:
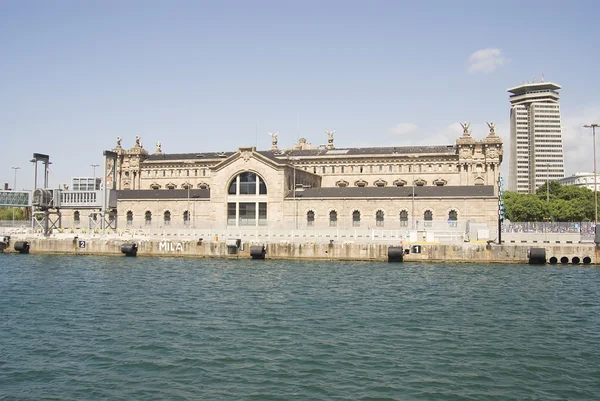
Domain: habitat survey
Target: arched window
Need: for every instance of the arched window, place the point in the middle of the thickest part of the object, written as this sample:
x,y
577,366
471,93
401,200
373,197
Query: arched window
x,y
428,217
356,218
167,218
76,217
129,218
310,218
333,218
404,218
242,211
452,218
148,217
186,218
379,218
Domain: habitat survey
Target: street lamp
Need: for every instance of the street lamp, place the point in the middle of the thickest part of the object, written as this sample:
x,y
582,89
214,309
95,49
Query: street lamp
x,y
593,127
14,189
94,167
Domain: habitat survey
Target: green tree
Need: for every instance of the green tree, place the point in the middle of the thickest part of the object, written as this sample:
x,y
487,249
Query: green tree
x,y
526,208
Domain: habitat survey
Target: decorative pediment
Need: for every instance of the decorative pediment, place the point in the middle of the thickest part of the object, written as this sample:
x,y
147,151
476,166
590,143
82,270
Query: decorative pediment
x,y
361,183
187,185
155,185
479,181
203,185
440,182
170,185
400,183
380,183
342,183
420,182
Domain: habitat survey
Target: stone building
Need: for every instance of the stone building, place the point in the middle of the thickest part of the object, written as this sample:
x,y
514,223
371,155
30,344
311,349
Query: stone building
x,y
308,187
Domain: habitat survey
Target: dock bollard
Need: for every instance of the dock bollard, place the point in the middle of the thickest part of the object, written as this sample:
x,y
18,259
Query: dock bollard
x,y
22,247
258,251
129,249
395,254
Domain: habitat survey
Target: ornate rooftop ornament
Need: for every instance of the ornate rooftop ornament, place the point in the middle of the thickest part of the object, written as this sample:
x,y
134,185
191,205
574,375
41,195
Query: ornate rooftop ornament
x,y
330,139
273,140
119,139
158,149
138,141
492,126
466,130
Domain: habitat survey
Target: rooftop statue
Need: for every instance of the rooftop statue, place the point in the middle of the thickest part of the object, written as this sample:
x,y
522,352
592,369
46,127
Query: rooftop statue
x,y
465,127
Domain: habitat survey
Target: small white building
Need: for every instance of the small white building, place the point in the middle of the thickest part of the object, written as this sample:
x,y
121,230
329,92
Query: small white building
x,y
581,180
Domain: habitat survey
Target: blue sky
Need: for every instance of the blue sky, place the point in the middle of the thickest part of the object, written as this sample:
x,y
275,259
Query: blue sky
x,y
200,76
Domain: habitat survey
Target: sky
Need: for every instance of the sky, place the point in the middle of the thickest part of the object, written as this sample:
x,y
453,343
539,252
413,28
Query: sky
x,y
213,76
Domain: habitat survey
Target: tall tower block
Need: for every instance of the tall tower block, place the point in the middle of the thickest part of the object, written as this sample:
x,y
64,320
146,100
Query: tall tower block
x,y
536,145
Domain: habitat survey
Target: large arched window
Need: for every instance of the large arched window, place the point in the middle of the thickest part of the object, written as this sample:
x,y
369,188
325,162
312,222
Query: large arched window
x,y
333,218
129,218
356,218
428,217
404,218
148,217
247,201
310,218
167,218
247,183
379,218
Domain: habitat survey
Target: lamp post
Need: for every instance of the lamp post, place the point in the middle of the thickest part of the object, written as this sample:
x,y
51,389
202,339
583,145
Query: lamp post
x,y
14,189
94,167
593,127
547,184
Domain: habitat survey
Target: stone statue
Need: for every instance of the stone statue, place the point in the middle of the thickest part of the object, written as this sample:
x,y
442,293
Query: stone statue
x,y
492,126
158,150
274,140
119,139
329,139
465,127
138,141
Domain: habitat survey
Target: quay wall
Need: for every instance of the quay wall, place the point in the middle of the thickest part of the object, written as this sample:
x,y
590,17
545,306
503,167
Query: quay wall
x,y
477,252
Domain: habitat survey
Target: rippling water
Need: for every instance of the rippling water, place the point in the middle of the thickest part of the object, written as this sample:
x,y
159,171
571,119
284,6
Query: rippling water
x,y
87,328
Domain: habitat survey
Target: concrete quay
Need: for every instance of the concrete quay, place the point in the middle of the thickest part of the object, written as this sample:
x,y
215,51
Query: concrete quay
x,y
466,252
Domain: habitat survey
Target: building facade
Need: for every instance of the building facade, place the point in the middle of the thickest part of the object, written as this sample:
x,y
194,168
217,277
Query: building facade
x,y
536,145
585,180
306,188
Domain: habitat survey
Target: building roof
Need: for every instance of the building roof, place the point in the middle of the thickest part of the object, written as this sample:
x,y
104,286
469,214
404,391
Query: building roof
x,y
163,194
188,156
283,154
396,192
534,86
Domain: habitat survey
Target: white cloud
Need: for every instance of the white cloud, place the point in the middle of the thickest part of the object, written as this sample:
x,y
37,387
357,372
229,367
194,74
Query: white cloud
x,y
486,60
402,129
578,141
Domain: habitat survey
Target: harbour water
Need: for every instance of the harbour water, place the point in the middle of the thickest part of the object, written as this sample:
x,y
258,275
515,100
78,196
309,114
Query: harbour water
x,y
100,328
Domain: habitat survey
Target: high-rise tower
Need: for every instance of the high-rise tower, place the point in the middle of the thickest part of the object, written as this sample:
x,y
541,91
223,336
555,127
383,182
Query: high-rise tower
x,y
536,146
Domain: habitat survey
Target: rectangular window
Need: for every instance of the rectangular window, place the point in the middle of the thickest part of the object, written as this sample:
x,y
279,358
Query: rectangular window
x,y
231,214
262,214
247,214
